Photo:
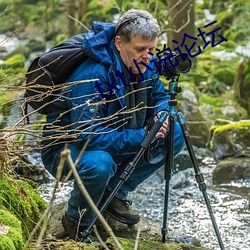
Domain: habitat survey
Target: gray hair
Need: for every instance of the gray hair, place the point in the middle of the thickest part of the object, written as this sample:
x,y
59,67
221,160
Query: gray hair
x,y
137,22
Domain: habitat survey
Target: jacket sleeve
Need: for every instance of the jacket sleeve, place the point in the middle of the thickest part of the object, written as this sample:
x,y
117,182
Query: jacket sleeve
x,y
88,118
159,95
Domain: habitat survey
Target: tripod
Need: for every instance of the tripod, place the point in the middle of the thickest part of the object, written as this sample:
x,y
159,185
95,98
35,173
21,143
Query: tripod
x,y
169,163
173,90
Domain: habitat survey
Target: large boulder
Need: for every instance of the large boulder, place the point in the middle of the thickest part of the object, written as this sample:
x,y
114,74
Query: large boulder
x,y
230,139
230,143
231,169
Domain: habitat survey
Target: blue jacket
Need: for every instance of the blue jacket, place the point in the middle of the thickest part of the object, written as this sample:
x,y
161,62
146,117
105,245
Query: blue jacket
x,y
91,117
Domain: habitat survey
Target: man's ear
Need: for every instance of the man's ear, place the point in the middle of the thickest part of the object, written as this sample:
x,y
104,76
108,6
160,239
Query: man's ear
x,y
118,43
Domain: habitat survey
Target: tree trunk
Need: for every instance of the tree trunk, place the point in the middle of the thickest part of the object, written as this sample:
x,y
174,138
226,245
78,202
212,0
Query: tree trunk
x,y
72,13
182,18
83,7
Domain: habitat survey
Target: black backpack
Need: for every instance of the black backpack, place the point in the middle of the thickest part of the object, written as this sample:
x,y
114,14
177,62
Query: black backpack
x,y
47,74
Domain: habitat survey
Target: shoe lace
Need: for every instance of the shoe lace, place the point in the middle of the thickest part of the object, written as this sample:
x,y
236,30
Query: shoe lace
x,y
127,203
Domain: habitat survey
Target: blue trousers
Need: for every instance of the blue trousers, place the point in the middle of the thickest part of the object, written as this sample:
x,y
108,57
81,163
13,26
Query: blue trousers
x,y
100,170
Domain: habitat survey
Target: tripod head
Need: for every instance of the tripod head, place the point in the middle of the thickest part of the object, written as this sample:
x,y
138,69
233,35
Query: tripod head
x,y
174,89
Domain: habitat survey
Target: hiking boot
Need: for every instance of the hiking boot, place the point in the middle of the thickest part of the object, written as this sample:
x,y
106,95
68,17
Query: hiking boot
x,y
75,231
121,211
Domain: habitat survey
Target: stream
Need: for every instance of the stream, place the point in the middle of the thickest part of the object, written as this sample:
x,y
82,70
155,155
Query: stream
x,y
187,212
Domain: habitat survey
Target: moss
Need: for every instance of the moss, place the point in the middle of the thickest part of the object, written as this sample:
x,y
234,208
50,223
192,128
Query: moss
x,y
6,243
212,100
22,200
235,125
9,219
16,237
238,128
219,103
13,239
16,61
128,244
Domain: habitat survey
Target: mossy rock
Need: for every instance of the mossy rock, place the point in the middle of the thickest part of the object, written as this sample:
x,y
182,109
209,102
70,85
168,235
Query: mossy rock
x,y
232,139
22,200
10,231
128,244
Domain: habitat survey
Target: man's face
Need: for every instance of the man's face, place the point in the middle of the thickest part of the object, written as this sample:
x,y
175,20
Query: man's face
x,y
137,49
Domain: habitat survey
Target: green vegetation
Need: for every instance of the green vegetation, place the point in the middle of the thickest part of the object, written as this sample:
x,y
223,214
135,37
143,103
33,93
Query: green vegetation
x,y
11,233
22,200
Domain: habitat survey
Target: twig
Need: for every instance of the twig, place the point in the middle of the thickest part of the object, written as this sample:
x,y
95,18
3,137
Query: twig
x,y
99,238
77,21
137,236
66,154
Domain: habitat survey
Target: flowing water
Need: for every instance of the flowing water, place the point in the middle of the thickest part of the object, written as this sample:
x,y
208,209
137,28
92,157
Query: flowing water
x,y
187,212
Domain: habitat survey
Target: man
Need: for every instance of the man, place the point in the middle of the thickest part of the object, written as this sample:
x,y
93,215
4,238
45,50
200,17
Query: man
x,y
108,113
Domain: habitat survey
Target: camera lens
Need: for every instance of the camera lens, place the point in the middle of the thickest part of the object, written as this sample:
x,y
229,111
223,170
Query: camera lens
x,y
183,66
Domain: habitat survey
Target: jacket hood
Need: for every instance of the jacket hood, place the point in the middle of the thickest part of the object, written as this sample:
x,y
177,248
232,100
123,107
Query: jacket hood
x,y
98,43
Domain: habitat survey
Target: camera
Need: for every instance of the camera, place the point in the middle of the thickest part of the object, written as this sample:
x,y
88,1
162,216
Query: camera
x,y
172,65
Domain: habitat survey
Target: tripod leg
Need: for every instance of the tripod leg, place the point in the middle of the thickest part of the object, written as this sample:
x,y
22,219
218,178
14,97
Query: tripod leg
x,y
168,173
199,177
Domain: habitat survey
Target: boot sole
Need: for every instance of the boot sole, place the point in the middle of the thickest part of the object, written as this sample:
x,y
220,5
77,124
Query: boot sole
x,y
121,219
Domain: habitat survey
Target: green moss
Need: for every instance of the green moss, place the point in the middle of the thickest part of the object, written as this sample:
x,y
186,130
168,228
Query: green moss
x,y
22,200
16,61
6,243
16,237
13,239
9,219
235,125
212,100
128,244
239,128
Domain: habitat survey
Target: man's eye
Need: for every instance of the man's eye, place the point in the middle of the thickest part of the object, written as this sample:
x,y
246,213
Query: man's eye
x,y
151,50
140,49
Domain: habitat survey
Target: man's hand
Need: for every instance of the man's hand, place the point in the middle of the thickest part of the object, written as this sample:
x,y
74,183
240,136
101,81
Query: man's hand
x,y
164,128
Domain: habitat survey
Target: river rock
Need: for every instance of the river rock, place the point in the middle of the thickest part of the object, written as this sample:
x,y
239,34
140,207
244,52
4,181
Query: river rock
x,y
231,169
232,139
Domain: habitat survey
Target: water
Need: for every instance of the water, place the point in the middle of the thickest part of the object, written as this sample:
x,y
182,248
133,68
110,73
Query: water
x,y
188,215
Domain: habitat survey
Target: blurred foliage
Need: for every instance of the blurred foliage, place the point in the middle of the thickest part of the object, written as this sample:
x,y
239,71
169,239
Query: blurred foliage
x,y
242,84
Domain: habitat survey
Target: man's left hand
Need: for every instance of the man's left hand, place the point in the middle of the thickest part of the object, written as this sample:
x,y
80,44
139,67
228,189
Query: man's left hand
x,y
164,128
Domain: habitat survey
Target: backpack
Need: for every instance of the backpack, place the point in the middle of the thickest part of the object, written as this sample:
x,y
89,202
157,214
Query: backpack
x,y
47,74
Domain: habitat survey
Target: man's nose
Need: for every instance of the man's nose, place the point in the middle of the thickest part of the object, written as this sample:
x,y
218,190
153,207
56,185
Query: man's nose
x,y
146,56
